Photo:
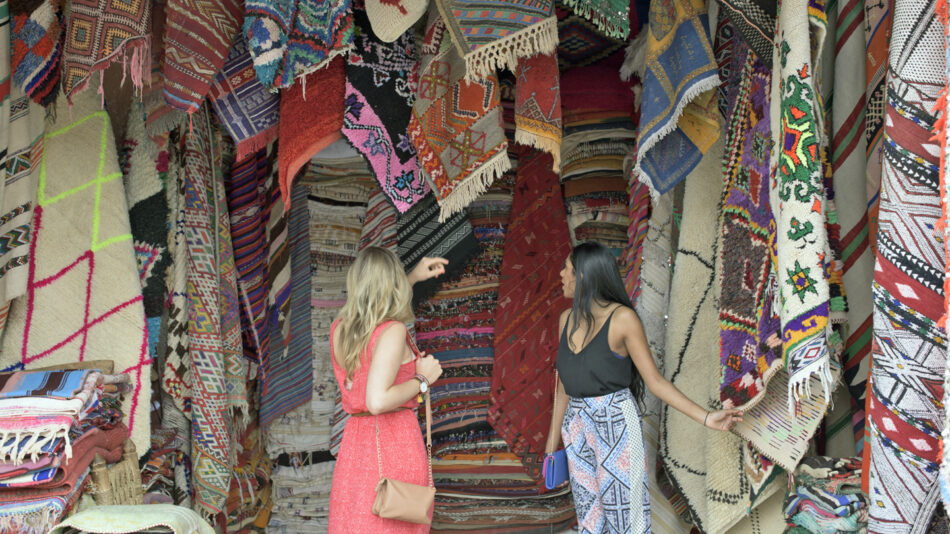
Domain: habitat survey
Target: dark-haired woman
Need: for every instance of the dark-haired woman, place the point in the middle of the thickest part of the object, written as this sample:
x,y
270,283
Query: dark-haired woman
x,y
603,362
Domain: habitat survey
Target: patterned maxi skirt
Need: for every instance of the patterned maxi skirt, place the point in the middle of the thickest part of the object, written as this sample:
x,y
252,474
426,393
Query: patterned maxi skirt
x,y
607,462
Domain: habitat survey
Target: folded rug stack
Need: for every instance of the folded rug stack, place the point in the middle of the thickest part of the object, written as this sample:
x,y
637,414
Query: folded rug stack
x,y
53,424
827,498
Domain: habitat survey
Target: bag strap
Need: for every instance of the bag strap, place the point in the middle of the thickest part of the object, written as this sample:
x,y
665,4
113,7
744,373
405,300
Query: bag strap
x,y
379,455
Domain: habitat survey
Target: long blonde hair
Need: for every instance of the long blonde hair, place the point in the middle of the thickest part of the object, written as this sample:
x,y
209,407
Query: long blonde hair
x,y
377,290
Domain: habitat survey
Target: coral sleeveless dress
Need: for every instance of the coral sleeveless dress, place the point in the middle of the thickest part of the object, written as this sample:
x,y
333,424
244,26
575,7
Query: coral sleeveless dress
x,y
402,450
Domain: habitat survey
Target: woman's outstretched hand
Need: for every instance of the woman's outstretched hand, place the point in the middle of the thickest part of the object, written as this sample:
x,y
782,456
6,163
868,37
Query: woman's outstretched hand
x,y
723,419
427,268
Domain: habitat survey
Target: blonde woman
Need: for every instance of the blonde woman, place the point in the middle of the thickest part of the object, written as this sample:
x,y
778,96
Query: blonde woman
x,y
380,374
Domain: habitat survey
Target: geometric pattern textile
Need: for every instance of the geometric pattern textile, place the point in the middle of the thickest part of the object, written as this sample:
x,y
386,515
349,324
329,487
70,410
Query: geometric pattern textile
x,y
84,298
750,351
538,105
529,302
19,172
680,72
604,442
244,106
492,35
379,99
909,352
456,125
289,39
580,43
612,17
198,35
755,22
212,427
878,19
944,228
849,162
99,32
797,199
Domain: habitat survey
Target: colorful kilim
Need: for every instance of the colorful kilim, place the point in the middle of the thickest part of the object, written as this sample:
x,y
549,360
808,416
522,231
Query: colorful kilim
x,y
20,172
755,22
287,381
456,125
198,35
909,351
538,105
526,330
750,344
849,162
99,32
309,126
244,106
83,298
612,17
379,228
148,217
797,198
37,48
496,35
580,43
212,426
378,106
420,234
292,38
878,20
943,12
669,148
248,204
631,260
160,118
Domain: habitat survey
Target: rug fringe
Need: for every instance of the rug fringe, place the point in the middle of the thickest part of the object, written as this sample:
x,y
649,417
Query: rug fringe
x,y
602,21
251,145
140,48
646,144
16,451
551,145
800,387
540,38
476,184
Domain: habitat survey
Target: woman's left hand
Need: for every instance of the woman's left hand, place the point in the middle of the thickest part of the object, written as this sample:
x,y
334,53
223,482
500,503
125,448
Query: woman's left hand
x,y
723,419
427,268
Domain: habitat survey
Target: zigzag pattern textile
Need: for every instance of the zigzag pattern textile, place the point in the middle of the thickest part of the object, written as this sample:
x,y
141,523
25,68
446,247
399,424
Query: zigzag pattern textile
x,y
909,350
198,35
292,38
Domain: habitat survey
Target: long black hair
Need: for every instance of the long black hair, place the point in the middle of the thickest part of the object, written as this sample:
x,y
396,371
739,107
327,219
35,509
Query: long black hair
x,y
598,280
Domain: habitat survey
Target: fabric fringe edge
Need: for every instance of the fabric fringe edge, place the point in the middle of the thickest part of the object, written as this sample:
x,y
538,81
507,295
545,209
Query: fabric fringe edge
x,y
302,75
644,145
141,52
33,522
33,446
249,146
541,142
540,38
602,21
799,386
474,185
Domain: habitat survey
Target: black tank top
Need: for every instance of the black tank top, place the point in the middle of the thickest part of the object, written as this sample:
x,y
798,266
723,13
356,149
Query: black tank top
x,y
596,370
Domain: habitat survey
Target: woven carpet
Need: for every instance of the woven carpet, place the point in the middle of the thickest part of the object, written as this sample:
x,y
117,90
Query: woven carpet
x,y
668,148
538,105
750,342
526,340
497,35
798,202
849,164
148,217
905,416
878,21
83,293
455,126
941,136
378,106
37,48
420,234
248,110
20,167
212,424
580,42
309,125
638,213
99,32
755,22
198,35
612,17
379,227
293,38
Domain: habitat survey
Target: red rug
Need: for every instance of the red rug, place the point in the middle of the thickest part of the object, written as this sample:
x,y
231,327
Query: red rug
x,y
529,302
311,119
